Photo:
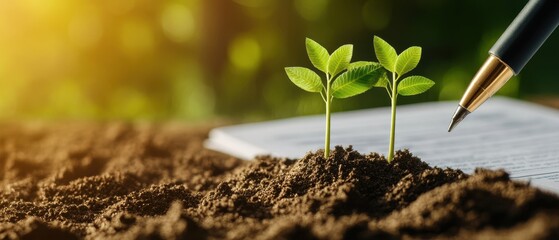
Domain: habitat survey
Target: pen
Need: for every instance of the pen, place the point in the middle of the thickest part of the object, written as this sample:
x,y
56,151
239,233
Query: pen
x,y
509,55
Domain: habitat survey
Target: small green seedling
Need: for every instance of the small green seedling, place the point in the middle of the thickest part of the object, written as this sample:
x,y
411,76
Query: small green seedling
x,y
397,66
343,79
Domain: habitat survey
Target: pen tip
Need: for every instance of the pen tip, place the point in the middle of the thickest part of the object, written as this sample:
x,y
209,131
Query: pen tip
x,y
452,125
459,115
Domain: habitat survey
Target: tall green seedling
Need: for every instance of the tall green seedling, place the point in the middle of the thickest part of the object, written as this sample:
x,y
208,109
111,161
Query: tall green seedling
x,y
396,66
342,79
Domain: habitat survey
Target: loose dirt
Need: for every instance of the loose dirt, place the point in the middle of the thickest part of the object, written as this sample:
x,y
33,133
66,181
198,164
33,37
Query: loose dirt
x,y
156,181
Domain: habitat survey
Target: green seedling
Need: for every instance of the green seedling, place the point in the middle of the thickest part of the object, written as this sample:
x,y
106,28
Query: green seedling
x,y
396,66
342,78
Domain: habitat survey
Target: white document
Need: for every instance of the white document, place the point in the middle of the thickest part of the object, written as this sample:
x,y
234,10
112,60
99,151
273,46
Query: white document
x,y
520,137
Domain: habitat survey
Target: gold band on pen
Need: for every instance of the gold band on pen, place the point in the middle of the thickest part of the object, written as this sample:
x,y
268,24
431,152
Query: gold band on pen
x,y
491,77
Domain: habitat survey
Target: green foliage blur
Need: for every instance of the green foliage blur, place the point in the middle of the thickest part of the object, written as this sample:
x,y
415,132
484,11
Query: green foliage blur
x,y
197,60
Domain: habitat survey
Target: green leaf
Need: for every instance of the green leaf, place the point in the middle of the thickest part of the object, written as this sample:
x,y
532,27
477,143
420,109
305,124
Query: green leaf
x,y
359,64
414,85
317,54
386,54
304,78
408,60
339,60
356,81
382,80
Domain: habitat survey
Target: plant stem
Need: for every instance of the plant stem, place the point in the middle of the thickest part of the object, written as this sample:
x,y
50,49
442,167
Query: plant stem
x,y
327,134
393,119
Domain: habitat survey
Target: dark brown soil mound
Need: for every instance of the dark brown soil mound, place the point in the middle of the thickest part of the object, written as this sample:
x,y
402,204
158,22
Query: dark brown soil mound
x,y
132,181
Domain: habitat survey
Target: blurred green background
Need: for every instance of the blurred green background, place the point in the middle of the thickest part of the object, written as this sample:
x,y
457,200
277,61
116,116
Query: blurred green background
x,y
196,60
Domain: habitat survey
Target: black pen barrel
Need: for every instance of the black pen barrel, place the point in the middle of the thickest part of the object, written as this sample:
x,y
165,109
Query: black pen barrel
x,y
527,33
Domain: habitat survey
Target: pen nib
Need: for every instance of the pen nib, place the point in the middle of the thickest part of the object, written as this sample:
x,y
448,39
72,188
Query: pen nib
x,y
459,115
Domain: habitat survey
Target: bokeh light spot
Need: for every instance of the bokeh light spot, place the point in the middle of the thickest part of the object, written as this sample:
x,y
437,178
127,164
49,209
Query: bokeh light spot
x,y
192,97
41,8
129,103
311,9
67,99
136,37
178,22
244,53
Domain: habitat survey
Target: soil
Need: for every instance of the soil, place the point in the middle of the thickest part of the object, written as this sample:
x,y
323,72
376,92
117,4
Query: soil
x,y
156,181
